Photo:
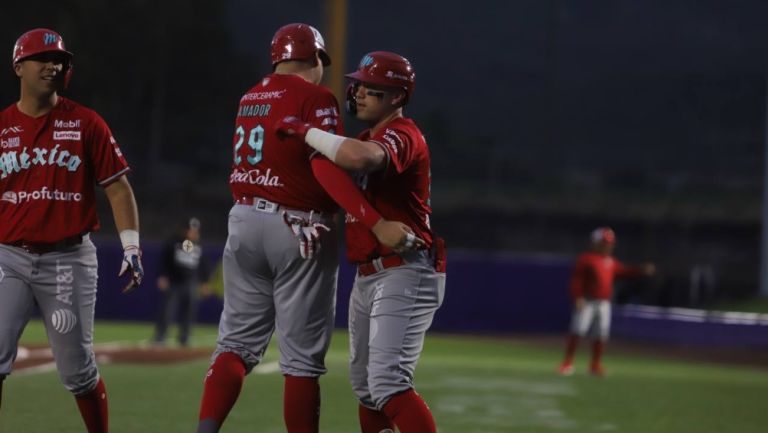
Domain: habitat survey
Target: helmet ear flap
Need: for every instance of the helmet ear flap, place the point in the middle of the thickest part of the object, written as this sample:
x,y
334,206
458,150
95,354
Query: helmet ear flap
x,y
67,76
351,103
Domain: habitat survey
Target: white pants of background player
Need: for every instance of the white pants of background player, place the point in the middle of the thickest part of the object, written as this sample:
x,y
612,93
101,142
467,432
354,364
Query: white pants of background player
x,y
594,315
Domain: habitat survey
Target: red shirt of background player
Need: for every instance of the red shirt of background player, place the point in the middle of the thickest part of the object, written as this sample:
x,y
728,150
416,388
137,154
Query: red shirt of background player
x,y
594,274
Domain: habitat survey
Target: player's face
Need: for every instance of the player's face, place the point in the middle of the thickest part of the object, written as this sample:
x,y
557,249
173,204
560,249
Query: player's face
x,y
41,74
193,235
375,102
605,248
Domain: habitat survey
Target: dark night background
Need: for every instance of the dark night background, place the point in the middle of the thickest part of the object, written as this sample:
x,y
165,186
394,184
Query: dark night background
x,y
544,118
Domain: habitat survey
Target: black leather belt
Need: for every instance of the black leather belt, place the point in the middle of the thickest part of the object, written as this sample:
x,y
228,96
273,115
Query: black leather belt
x,y
44,247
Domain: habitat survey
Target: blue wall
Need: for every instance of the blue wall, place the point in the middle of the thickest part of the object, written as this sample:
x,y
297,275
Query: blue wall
x,y
484,292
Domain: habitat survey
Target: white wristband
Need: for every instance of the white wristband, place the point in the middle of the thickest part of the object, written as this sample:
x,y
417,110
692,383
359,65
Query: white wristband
x,y
325,142
129,238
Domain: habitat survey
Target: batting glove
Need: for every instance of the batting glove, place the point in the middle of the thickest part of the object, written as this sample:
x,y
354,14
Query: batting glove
x,y
307,232
291,126
132,264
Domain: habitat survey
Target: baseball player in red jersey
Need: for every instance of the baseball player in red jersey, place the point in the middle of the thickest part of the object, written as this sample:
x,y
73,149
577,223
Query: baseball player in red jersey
x,y
396,293
280,261
54,151
591,290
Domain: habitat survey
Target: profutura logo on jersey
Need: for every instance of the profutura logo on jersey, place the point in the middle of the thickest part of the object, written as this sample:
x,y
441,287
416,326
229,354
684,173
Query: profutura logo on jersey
x,y
42,194
15,161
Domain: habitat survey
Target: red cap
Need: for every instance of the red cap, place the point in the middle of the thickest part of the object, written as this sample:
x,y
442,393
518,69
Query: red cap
x,y
603,234
38,41
298,42
386,69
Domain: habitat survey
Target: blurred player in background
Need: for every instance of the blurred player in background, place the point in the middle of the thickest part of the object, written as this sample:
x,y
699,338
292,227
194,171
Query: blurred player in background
x,y
591,290
54,151
184,274
280,263
396,292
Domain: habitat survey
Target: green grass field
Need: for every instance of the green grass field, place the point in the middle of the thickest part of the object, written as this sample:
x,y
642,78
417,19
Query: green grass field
x,y
473,385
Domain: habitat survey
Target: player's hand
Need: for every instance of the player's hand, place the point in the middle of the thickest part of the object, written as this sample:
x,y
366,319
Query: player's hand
x,y
649,269
132,264
206,290
396,235
163,283
578,303
292,126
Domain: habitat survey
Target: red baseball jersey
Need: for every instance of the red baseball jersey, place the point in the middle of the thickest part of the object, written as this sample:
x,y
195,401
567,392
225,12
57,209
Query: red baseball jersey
x,y
400,191
48,168
594,274
277,168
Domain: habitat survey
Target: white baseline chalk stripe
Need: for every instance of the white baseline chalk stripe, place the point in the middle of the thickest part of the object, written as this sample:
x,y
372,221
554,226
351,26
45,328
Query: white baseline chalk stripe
x,y
693,315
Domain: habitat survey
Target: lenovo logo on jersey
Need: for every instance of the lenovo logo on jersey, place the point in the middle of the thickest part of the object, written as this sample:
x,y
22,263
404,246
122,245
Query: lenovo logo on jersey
x,y
66,135
66,123
255,177
11,130
42,194
10,143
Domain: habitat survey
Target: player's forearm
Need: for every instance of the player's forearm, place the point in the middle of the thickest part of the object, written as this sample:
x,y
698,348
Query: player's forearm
x,y
343,190
123,203
348,153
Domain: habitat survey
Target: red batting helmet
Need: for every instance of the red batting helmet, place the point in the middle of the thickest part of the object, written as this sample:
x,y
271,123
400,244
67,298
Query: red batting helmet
x,y
40,41
603,234
386,69
298,42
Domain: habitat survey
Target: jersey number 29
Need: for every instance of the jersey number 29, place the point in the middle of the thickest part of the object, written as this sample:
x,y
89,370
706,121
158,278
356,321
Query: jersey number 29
x,y
255,141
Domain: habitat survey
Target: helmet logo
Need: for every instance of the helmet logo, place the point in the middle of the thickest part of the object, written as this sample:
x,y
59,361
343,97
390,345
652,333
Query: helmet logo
x,y
49,39
391,74
318,36
367,61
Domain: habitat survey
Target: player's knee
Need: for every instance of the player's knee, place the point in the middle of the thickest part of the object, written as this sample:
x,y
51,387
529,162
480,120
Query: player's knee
x,y
308,365
80,382
382,391
250,360
360,388
380,396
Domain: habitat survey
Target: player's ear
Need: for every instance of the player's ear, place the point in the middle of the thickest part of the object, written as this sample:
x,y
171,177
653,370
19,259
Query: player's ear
x,y
317,61
398,100
17,69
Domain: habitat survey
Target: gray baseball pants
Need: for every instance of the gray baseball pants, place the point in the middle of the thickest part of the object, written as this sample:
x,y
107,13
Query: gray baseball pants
x,y
63,285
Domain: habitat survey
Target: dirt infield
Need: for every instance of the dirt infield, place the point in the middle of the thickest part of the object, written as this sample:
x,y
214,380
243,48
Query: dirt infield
x,y
36,356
